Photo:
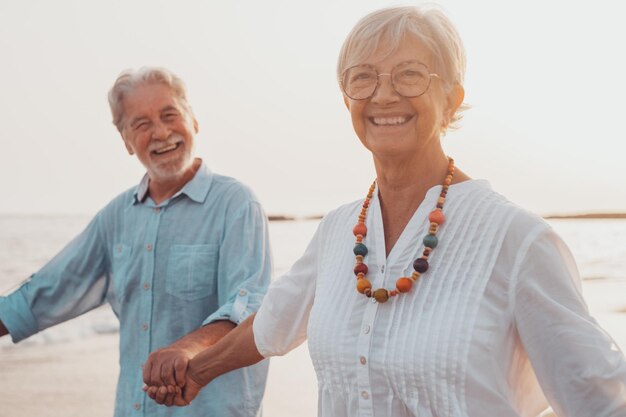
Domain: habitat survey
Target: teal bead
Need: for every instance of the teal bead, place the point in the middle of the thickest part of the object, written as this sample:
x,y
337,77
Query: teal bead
x,y
430,241
360,249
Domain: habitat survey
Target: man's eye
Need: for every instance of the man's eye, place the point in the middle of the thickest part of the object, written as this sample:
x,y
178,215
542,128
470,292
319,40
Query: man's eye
x,y
141,126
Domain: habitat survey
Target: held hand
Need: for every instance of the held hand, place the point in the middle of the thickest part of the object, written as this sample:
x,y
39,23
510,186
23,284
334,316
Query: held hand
x,y
166,395
173,395
167,366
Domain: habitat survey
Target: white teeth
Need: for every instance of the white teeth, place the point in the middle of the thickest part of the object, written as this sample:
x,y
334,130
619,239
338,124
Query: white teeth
x,y
389,120
167,149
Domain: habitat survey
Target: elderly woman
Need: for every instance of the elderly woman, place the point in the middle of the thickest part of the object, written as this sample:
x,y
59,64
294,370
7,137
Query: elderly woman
x,y
434,295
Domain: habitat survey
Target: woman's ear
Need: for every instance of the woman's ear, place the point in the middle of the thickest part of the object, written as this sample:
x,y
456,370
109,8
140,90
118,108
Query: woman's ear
x,y
346,102
455,98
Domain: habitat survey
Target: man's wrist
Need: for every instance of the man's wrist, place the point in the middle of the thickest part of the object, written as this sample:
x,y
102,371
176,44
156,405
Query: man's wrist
x,y
3,329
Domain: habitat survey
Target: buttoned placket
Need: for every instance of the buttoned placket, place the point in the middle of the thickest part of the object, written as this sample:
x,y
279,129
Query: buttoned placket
x,y
146,296
378,277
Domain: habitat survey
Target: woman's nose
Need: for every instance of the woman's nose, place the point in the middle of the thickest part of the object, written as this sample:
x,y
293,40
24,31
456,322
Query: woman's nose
x,y
385,92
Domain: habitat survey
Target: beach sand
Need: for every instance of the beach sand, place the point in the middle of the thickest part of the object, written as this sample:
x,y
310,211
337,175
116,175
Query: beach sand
x,y
77,379
72,379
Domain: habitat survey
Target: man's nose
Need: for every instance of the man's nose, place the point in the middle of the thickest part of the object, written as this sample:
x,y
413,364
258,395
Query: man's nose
x,y
160,130
385,92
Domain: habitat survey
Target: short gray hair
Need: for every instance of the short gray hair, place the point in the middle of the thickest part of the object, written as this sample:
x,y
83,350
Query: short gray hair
x,y
390,25
130,79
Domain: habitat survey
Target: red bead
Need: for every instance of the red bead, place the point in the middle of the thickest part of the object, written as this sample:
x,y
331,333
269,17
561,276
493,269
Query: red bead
x,y
360,269
436,216
360,229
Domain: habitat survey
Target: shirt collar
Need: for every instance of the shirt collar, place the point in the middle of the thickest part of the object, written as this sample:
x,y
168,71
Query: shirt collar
x,y
196,189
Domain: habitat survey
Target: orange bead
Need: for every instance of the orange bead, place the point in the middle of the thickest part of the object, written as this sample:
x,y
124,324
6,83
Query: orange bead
x,y
436,216
362,285
404,284
360,229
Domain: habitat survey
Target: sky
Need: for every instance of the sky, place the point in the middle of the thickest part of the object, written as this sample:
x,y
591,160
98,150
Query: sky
x,y
544,79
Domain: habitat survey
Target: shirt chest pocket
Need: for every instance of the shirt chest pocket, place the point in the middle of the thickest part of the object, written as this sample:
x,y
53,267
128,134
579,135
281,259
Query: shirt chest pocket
x,y
192,271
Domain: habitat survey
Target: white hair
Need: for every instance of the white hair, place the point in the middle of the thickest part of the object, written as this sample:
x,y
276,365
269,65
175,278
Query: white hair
x,y
129,79
388,27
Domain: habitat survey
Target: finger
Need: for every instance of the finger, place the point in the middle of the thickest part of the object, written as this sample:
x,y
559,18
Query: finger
x,y
152,392
190,391
161,394
147,369
167,373
155,374
180,370
169,398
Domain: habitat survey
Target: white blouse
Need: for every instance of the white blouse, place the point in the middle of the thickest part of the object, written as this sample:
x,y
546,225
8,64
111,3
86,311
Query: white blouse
x,y
496,324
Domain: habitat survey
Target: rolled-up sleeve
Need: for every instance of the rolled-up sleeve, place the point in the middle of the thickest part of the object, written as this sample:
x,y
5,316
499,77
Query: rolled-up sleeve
x,y
72,283
581,370
244,266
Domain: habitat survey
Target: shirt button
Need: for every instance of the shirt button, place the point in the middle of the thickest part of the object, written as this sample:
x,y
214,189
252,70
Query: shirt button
x,y
137,406
382,269
363,360
157,210
119,248
148,247
365,395
146,286
366,329
144,326
242,292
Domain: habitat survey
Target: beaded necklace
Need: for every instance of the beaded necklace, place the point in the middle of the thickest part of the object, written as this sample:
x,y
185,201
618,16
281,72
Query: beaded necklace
x,y
420,265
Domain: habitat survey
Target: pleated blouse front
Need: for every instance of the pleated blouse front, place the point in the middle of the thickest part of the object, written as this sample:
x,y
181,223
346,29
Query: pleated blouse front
x,y
501,292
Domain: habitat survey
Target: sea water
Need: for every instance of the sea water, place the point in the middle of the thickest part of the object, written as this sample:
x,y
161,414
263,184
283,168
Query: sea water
x,y
29,241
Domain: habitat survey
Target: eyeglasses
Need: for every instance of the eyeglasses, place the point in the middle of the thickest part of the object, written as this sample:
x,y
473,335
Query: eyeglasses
x,y
409,79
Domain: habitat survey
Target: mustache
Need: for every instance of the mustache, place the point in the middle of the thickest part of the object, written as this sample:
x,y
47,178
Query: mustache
x,y
171,140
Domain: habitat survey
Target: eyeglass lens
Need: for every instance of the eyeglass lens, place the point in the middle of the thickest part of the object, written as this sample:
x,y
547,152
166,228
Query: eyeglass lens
x,y
409,79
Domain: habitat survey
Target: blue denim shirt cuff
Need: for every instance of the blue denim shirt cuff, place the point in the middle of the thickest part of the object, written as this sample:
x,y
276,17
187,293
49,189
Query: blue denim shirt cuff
x,y
17,317
236,310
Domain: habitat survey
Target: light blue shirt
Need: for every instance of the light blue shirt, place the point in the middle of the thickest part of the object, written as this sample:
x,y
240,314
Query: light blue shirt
x,y
166,269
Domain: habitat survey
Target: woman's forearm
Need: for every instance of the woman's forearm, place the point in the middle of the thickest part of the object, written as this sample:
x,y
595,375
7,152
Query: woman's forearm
x,y
235,350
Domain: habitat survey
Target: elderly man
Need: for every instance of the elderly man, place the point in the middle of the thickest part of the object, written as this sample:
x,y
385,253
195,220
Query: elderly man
x,y
182,258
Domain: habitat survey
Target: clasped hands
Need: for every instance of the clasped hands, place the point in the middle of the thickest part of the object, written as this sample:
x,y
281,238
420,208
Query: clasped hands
x,y
166,377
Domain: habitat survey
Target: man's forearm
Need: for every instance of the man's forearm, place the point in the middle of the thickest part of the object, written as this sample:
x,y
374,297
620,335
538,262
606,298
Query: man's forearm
x,y
235,350
3,330
198,340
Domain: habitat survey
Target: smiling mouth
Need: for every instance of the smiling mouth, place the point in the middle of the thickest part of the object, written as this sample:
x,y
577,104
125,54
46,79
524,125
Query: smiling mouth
x,y
390,121
166,149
